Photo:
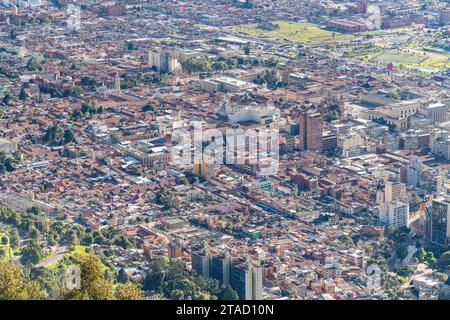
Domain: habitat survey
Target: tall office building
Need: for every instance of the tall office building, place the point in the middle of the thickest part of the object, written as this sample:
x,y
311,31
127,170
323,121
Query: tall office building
x,y
175,249
204,169
154,59
23,3
436,112
162,61
257,283
243,275
413,171
220,268
173,66
200,260
362,6
393,208
394,190
310,131
437,217
246,279
8,146
294,129
445,16
443,183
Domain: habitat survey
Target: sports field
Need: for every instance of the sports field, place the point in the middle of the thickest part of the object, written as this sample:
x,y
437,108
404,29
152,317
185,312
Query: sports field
x,y
300,32
413,60
398,58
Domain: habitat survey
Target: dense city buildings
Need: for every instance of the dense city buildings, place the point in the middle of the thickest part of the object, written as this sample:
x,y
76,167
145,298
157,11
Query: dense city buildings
x,y
225,150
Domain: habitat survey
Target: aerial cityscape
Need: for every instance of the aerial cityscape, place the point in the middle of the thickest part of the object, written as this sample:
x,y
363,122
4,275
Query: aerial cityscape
x,y
225,150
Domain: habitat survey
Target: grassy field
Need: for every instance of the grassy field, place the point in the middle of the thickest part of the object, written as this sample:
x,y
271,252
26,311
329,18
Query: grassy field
x,y
434,63
411,60
407,49
398,58
300,32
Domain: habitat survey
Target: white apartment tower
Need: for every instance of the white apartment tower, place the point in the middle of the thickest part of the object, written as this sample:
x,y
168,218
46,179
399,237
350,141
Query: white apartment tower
x,y
413,171
395,214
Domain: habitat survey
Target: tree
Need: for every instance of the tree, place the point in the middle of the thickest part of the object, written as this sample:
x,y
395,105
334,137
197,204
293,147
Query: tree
x,y
34,210
444,260
401,251
229,226
32,64
9,165
124,242
98,237
442,277
53,91
77,91
31,254
15,219
4,240
429,255
175,281
85,108
415,204
23,95
93,285
69,136
14,238
122,276
420,254
177,295
88,240
186,285
218,66
347,240
227,293
7,98
201,296
430,259
231,63
70,238
164,198
131,46
406,271
148,107
128,291
53,134
33,232
154,280
15,286
192,65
